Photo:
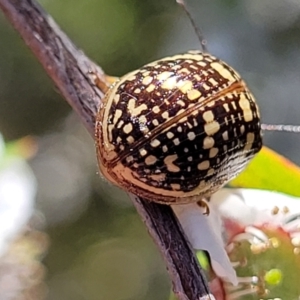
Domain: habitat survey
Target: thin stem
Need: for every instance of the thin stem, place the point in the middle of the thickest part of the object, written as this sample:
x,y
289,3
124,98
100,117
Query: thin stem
x,y
74,75
279,127
198,31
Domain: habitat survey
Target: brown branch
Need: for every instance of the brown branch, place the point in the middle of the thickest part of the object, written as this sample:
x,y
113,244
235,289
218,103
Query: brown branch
x,y
73,73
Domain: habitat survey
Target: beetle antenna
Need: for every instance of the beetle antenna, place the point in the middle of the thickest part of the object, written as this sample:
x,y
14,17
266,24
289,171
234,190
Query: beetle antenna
x,y
198,31
285,128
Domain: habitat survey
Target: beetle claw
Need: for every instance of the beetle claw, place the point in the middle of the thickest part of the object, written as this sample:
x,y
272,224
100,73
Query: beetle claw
x,y
204,204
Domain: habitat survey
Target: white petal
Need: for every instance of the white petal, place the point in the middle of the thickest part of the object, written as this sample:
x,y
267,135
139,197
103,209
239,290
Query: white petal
x,y
253,206
204,233
230,204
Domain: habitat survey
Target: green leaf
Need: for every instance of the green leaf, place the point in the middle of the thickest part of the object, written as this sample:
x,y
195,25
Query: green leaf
x,y
270,171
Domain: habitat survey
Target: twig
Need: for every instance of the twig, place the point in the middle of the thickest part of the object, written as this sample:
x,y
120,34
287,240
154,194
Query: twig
x,y
73,73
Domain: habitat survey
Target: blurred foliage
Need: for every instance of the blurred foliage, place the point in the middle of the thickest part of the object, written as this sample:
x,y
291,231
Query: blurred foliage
x,y
22,246
100,249
108,31
22,274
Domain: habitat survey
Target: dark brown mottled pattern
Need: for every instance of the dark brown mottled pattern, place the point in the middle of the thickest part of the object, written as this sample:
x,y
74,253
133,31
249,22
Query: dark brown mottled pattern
x,y
127,88
233,153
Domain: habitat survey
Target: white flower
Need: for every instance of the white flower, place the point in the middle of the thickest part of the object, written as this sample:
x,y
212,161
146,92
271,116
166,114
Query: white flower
x,y
253,239
17,192
262,235
238,215
255,207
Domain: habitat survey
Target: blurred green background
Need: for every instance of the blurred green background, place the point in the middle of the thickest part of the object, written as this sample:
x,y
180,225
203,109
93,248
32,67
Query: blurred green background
x,y
99,247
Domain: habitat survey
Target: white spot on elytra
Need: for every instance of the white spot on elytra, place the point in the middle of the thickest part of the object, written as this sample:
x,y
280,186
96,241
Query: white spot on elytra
x,y
170,83
155,122
176,142
191,136
147,80
185,86
133,110
164,75
213,152
130,139
169,162
212,128
143,152
150,88
203,165
117,116
165,115
150,160
226,107
156,109
208,116
222,70
225,135
129,159
250,140
242,129
208,142
127,128
210,172
245,106
155,143
170,135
